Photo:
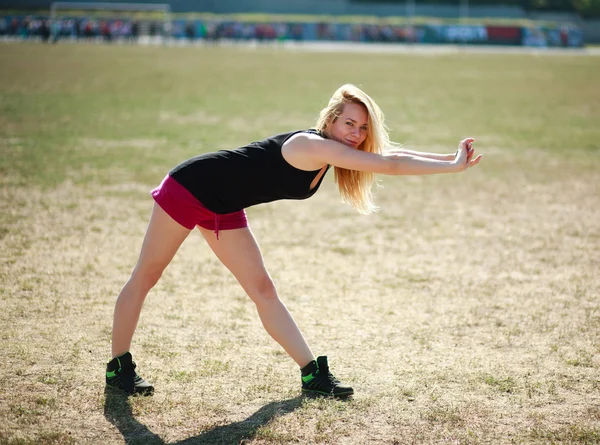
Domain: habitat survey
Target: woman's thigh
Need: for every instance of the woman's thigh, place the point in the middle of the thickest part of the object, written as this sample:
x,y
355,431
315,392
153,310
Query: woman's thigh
x,y
163,238
238,250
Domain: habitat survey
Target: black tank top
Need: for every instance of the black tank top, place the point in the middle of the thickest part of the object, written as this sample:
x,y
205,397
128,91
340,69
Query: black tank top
x,y
230,180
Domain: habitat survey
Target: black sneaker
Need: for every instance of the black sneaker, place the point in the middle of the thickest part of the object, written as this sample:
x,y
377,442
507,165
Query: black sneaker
x,y
317,380
120,374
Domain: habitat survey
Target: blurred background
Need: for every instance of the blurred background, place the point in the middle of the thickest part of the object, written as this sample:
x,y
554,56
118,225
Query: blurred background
x,y
534,23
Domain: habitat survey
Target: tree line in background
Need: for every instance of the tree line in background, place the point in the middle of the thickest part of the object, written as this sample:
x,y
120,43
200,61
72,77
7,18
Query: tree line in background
x,y
585,8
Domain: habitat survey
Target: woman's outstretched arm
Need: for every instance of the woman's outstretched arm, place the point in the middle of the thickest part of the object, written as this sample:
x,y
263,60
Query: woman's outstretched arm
x,y
422,154
462,159
307,150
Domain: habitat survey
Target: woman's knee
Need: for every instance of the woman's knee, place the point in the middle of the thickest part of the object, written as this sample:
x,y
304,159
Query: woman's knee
x,y
262,289
146,277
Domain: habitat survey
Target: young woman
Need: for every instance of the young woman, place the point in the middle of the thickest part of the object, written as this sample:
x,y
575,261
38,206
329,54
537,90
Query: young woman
x,y
211,192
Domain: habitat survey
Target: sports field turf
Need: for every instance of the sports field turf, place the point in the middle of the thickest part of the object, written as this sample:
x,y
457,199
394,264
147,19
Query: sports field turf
x,y
466,311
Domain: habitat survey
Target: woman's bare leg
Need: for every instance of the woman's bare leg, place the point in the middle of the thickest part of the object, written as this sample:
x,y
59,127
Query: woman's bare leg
x,y
238,251
163,238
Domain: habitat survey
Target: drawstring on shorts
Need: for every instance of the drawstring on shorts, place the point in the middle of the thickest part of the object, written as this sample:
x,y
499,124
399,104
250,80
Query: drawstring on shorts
x,y
217,220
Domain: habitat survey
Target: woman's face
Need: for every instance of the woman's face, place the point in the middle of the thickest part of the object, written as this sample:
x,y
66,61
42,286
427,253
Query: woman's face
x,y
350,128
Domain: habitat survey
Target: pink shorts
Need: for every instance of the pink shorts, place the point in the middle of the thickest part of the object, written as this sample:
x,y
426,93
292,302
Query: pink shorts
x,y
185,209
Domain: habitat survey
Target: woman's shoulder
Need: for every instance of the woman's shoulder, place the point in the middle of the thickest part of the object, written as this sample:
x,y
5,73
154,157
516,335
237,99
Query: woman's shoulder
x,y
298,137
307,131
316,132
306,134
298,150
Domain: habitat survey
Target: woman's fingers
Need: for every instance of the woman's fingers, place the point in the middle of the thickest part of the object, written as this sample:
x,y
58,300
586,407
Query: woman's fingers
x,y
467,143
475,161
470,153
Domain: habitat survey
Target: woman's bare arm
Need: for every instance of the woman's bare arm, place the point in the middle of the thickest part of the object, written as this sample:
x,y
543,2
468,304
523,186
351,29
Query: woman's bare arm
x,y
422,154
306,149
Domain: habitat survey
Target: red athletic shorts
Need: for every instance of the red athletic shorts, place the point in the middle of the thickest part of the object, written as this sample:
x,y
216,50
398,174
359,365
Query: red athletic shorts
x,y
184,208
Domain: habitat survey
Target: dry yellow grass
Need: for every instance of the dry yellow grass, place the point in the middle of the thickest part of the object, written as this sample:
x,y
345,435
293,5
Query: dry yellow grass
x,y
465,311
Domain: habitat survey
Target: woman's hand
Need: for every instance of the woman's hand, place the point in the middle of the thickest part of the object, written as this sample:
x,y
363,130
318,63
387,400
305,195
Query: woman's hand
x,y
464,156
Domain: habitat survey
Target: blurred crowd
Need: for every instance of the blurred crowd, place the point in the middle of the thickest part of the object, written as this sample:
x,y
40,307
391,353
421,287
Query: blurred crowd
x,y
45,29
293,31
108,30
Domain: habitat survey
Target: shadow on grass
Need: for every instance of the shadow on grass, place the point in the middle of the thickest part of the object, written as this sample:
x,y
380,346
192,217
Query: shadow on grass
x,y
117,411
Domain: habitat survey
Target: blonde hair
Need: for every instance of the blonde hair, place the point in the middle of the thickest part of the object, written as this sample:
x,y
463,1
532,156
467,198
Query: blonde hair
x,y
355,186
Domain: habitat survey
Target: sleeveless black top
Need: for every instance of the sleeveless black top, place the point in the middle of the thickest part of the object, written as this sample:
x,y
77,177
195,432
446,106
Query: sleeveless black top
x,y
230,180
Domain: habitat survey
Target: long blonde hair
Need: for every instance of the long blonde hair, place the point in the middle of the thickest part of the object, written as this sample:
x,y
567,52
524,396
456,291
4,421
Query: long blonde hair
x,y
355,186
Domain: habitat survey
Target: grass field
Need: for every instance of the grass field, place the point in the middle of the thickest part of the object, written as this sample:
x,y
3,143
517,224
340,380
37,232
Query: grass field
x,y
466,311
